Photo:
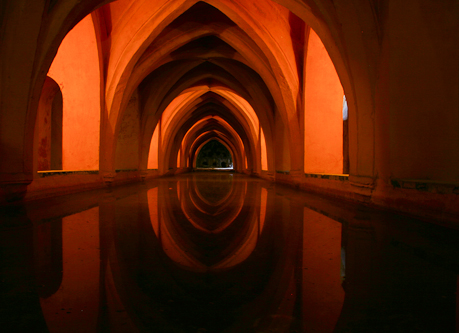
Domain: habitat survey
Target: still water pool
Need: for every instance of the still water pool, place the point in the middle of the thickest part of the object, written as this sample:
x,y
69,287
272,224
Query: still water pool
x,y
222,252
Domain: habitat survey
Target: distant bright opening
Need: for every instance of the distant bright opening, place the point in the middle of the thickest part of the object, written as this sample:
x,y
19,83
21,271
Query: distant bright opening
x,y
214,155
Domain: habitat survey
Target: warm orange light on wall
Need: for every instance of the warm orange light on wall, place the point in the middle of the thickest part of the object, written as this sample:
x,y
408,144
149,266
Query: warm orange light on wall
x,y
76,69
323,121
153,155
264,154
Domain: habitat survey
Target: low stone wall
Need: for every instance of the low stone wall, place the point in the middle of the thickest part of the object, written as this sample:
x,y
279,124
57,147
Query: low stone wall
x,y
52,183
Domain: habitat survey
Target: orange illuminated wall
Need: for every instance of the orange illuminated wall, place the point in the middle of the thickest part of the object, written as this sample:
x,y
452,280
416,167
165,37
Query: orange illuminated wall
x,y
153,155
323,120
76,69
264,155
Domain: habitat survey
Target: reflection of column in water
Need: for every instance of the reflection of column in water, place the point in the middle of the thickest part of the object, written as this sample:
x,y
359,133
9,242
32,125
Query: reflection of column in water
x,y
19,305
263,207
152,195
283,226
48,257
75,306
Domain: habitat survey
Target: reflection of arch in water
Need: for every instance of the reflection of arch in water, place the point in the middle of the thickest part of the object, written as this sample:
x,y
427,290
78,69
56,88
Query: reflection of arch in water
x,y
144,278
198,210
194,242
213,190
240,227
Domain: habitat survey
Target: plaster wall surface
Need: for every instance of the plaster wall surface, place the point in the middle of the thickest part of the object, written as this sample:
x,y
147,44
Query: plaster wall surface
x,y
128,145
76,70
44,138
48,128
323,120
264,154
424,90
153,154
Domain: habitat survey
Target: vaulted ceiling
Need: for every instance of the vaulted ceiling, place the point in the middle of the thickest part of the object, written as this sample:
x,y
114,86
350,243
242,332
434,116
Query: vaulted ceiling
x,y
238,66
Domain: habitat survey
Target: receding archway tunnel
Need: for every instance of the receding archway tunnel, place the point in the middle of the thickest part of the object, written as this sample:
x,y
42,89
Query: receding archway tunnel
x,y
100,93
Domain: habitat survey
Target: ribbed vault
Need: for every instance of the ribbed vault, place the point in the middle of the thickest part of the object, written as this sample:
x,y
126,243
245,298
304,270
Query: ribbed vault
x,y
258,45
167,65
153,52
201,64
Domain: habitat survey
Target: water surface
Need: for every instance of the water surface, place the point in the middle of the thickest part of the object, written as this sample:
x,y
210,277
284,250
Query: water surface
x,y
222,252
